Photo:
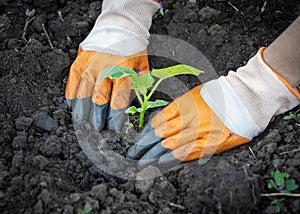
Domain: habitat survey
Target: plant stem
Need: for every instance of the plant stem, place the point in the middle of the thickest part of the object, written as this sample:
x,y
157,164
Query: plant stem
x,y
154,88
27,22
144,103
141,123
142,114
139,97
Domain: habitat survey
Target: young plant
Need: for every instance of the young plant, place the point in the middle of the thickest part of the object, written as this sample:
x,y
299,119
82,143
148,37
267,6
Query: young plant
x,y
278,205
84,211
142,84
160,12
128,126
291,116
29,18
280,183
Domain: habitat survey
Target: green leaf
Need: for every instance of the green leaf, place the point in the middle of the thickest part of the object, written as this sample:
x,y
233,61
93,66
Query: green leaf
x,y
271,182
84,211
279,179
175,70
291,115
141,83
285,175
132,110
270,185
290,185
278,207
156,103
116,72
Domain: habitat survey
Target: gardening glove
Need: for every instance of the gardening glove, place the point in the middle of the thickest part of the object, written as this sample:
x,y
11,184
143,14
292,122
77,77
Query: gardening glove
x,y
119,38
215,116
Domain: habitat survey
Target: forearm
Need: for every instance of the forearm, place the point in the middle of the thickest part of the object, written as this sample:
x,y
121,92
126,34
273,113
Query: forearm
x,y
283,55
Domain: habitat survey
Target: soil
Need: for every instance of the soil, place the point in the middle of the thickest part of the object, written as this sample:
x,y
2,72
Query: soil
x,y
42,166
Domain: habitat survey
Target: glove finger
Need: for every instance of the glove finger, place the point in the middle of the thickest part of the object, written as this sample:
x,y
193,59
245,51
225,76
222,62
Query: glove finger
x,y
102,92
187,152
118,104
120,93
77,68
84,108
100,99
171,127
144,163
103,89
167,145
86,86
187,135
215,141
81,109
196,149
167,160
166,114
190,151
116,119
98,116
156,151
149,137
147,140
185,105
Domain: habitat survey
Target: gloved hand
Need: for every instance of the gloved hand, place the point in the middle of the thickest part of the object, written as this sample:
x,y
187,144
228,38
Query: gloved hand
x,y
216,116
102,102
119,38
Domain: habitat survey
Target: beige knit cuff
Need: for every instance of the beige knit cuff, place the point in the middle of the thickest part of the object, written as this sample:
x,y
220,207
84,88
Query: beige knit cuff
x,y
261,91
131,15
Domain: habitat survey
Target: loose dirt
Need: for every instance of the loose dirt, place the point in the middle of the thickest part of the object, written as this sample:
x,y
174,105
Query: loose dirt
x,y
42,166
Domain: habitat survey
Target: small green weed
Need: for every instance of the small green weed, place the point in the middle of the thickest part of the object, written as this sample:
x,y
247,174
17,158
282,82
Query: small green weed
x,y
292,115
278,205
84,211
280,183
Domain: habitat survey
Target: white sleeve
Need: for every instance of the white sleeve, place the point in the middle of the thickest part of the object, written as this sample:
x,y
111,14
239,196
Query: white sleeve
x,y
122,27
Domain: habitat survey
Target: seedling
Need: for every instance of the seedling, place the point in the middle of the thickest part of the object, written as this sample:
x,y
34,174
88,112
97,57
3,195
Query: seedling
x,y
280,183
160,12
84,211
29,18
278,205
128,126
141,84
291,116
